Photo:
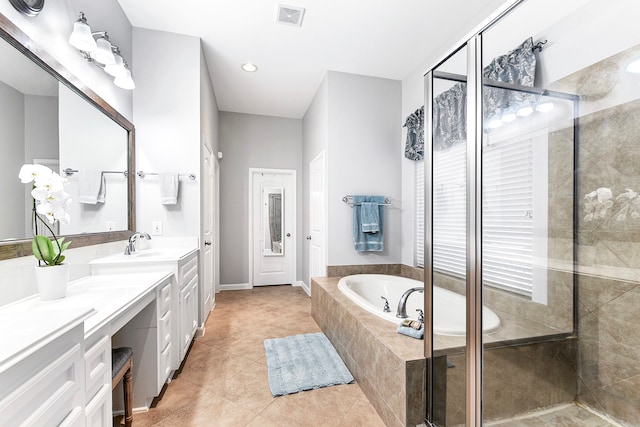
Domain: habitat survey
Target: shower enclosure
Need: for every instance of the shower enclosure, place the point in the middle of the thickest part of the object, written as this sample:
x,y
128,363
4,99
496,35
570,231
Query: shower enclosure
x,y
532,209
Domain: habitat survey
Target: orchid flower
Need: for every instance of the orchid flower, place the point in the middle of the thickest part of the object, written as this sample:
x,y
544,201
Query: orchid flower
x,y
50,202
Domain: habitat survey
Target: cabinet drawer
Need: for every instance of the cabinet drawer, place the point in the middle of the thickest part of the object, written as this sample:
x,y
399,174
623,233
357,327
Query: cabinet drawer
x,y
164,330
47,397
97,364
189,270
164,300
98,411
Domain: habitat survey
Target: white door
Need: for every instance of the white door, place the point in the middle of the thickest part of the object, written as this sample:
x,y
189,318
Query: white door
x,y
273,224
207,248
317,220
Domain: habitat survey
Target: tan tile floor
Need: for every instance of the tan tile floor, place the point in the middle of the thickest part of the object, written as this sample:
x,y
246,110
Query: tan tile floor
x,y
224,379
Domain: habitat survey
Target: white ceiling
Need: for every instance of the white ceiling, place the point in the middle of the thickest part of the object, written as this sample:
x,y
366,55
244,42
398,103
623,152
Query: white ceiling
x,y
387,39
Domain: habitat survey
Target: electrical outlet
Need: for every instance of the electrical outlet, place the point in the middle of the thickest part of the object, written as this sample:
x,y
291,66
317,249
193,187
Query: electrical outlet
x,y
156,228
111,226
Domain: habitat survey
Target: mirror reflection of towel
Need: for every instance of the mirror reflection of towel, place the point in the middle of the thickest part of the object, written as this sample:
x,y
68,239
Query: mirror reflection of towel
x,y
92,187
168,188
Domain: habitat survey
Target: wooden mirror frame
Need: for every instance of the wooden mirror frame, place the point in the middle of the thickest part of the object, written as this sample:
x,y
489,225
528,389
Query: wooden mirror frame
x,y
18,39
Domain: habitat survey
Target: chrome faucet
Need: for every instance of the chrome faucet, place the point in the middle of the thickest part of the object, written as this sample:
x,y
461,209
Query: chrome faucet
x,y
131,245
402,304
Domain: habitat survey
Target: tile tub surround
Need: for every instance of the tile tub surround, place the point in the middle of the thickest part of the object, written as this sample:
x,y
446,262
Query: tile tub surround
x,y
388,367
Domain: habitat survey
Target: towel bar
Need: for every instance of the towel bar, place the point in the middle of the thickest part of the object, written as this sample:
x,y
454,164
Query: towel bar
x,y
349,200
69,172
141,174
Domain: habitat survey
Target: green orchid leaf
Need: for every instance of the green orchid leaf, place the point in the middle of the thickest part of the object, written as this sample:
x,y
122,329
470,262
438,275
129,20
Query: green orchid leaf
x,y
60,259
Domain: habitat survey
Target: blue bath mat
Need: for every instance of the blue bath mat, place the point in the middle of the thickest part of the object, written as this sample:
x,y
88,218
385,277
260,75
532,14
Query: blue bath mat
x,y
303,362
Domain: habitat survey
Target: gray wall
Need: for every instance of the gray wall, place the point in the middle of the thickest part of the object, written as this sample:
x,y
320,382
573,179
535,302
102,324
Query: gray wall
x,y
41,139
12,158
315,128
166,106
365,124
251,141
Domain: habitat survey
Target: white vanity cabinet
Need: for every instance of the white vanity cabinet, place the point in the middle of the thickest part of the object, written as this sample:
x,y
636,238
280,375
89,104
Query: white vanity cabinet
x,y
178,318
97,370
188,300
42,382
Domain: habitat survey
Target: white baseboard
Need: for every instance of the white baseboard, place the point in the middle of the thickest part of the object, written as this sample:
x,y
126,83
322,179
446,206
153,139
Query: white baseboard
x,y
303,286
236,287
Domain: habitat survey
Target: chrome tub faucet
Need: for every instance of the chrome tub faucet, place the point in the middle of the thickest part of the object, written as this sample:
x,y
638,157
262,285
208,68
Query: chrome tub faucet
x,y
402,304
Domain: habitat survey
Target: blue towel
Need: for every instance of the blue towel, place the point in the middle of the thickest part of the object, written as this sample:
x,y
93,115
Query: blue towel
x,y
369,218
362,241
410,332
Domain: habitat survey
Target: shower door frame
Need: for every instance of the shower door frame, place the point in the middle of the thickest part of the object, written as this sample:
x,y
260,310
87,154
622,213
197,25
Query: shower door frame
x,y
474,285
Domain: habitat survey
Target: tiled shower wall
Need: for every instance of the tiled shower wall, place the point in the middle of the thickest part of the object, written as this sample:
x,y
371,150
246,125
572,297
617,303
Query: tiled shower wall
x,y
609,250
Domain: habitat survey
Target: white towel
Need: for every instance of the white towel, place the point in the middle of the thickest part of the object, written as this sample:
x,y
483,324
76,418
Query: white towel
x,y
92,187
168,188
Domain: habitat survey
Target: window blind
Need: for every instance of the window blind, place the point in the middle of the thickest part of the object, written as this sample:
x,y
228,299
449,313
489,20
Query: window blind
x,y
508,238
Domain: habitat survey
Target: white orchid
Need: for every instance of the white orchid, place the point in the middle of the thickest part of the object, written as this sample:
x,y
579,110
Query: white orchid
x,y
35,172
52,202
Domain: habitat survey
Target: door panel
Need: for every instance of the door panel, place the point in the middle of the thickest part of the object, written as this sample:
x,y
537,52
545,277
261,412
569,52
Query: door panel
x,y
317,267
273,240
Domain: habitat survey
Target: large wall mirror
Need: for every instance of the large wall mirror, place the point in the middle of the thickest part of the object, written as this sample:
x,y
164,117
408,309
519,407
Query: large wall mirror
x,y
49,117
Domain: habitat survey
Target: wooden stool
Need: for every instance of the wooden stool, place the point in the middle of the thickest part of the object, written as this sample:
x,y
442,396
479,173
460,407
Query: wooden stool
x,y
122,367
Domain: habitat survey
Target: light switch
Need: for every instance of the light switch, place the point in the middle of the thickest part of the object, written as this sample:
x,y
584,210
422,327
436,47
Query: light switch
x,y
156,228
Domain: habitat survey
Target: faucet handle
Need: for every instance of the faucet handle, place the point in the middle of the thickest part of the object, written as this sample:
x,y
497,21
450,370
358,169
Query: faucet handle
x,y
420,315
386,308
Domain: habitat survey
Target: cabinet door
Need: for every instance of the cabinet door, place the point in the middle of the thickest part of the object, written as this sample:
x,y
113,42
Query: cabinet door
x,y
186,301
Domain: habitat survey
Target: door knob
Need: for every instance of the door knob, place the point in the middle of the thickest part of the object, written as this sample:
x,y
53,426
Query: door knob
x,y
308,237
288,234
207,243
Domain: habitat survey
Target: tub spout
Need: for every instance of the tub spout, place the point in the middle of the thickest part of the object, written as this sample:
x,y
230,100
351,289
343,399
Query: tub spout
x,y
402,304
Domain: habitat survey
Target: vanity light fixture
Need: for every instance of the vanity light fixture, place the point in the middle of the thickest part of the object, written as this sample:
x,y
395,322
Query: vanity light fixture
x,y
249,67
97,49
81,37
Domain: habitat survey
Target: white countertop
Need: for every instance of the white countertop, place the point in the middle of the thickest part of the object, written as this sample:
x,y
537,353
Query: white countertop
x,y
152,255
97,300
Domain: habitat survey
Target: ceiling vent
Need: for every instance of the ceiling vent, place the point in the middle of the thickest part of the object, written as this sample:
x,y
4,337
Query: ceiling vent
x,y
290,15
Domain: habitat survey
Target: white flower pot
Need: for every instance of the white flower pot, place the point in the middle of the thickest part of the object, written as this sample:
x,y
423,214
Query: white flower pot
x,y
52,281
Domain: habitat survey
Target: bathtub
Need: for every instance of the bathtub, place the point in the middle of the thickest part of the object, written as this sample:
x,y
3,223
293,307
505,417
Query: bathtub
x,y
449,307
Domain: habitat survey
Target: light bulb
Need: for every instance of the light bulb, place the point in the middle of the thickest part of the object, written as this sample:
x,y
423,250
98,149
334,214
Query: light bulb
x,y
494,122
125,81
545,107
103,53
117,68
634,66
81,37
508,117
525,111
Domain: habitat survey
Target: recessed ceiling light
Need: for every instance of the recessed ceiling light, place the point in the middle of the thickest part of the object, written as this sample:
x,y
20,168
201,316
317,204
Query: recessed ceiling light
x,y
249,67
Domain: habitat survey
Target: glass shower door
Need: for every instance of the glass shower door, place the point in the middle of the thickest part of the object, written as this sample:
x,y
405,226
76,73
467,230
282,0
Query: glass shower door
x,y
446,266
528,139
